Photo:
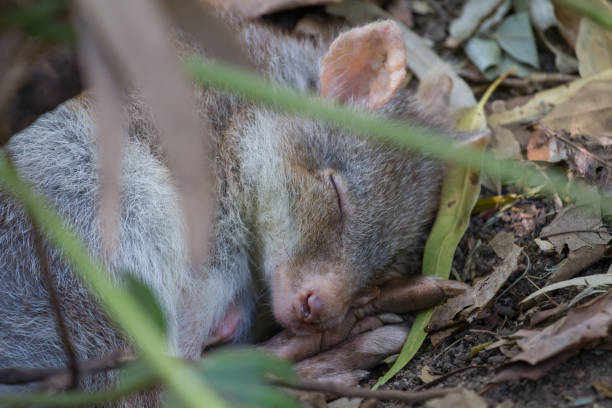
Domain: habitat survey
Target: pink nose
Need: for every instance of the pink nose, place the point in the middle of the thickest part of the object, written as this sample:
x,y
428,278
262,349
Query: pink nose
x,y
310,307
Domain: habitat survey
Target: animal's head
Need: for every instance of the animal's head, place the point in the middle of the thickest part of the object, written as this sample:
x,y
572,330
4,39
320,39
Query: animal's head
x,y
338,214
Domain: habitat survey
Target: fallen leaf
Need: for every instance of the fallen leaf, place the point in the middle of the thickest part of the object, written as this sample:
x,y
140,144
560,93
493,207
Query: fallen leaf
x,y
426,376
569,23
545,246
570,228
599,280
460,399
583,327
542,12
465,306
484,53
473,13
503,143
480,347
588,112
515,36
517,371
401,11
593,46
525,109
536,316
604,387
502,243
254,9
576,261
507,63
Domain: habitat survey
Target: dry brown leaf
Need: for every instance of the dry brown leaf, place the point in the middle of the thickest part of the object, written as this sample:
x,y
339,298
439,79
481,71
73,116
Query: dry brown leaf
x,y
426,376
536,316
569,228
534,107
401,11
439,336
577,261
594,45
461,399
254,9
588,112
517,371
502,243
463,307
569,23
503,144
583,327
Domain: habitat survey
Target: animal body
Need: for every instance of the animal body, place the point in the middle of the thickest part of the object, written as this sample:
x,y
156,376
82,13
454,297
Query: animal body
x,y
317,214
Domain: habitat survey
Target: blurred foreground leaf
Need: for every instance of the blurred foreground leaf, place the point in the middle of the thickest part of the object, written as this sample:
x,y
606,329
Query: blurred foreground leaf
x,y
147,300
240,377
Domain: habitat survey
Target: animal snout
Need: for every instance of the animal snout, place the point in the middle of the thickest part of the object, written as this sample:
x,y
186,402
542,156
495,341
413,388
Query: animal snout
x,y
309,307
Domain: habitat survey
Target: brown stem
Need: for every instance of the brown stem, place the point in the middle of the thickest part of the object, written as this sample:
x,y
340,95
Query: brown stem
x,y
60,377
62,329
354,392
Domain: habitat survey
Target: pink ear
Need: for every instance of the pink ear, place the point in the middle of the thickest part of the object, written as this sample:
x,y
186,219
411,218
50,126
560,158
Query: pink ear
x,y
367,64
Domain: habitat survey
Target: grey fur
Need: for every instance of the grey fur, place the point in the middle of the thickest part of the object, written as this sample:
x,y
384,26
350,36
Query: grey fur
x,y
266,213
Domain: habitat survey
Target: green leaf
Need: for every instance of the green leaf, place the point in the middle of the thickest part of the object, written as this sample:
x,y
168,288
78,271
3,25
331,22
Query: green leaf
x,y
483,53
240,376
515,36
460,192
147,300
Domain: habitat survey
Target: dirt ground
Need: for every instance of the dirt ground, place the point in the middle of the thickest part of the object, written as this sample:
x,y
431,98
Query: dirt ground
x,y
569,385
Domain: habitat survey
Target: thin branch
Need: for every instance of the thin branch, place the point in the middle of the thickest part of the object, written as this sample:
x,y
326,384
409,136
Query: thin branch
x,y
446,376
62,329
60,377
553,133
354,392
137,381
579,231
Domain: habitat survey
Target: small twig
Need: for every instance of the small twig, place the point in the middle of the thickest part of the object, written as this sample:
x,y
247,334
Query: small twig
x,y
59,377
535,78
553,234
62,329
137,381
354,392
446,376
553,133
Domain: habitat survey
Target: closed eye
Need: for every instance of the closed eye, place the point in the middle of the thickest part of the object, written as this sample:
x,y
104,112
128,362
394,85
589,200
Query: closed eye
x,y
334,182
